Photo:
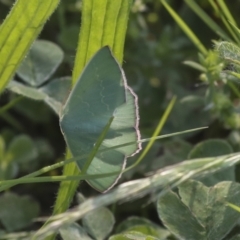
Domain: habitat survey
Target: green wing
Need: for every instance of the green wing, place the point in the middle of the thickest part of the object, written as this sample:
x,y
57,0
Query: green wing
x,y
100,93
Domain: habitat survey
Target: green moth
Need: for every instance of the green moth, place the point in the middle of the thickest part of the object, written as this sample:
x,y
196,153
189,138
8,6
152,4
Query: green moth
x,y
100,93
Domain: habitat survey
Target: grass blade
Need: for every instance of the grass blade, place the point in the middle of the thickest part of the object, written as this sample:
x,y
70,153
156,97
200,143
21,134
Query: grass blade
x,y
156,133
104,22
169,176
185,28
209,22
99,27
18,32
32,177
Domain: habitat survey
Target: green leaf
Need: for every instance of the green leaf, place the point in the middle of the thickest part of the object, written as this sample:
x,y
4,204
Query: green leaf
x,y
36,111
74,232
217,218
210,148
99,223
57,91
17,212
208,20
2,233
195,65
227,18
8,170
26,91
44,148
174,151
229,51
107,26
178,218
131,235
19,31
21,149
8,135
202,212
151,231
2,147
133,221
185,28
214,148
40,63
68,37
53,93
7,2
144,226
237,237
188,113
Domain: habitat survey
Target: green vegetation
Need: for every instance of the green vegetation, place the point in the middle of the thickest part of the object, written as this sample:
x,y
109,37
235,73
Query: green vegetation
x,y
68,119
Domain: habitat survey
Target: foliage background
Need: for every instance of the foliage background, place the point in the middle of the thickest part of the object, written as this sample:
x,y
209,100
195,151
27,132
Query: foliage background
x,y
153,62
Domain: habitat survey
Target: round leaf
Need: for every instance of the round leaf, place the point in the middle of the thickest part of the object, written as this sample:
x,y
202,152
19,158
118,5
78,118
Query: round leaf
x,y
41,62
210,148
74,232
17,212
214,148
99,223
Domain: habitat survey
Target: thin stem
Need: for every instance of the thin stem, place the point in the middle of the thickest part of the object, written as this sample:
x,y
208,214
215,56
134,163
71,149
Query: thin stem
x,y
6,184
156,132
10,104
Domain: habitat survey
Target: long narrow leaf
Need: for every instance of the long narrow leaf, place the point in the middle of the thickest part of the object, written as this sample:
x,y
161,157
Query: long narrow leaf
x,y
209,22
104,22
18,31
185,28
226,12
223,12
